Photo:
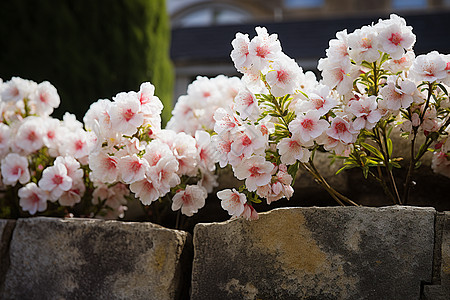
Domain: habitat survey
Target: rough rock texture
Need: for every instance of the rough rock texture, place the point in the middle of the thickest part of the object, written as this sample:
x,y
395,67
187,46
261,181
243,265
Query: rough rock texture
x,y
6,230
91,259
316,253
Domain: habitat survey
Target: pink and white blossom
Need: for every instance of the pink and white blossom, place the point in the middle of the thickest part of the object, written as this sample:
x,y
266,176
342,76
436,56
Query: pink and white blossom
x,y
429,67
255,170
14,167
55,180
132,168
32,198
292,150
45,98
74,194
232,201
308,126
284,77
126,114
240,52
398,93
394,36
29,136
246,104
366,112
341,129
190,200
145,190
262,49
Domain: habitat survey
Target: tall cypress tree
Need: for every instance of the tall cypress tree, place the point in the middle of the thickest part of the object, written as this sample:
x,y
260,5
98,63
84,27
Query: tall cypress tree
x,y
88,49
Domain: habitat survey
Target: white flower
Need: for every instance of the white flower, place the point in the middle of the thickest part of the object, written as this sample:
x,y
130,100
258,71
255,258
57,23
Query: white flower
x,y
164,174
342,130
72,166
15,168
338,48
394,36
318,99
255,170
240,52
248,141
366,112
55,180
263,48
74,194
185,150
402,64
45,98
398,93
291,150
308,126
206,151
429,67
77,144
145,190
30,135
339,74
225,122
17,89
132,168
441,164
104,167
125,113
249,213
284,77
5,138
189,200
150,104
363,45
232,201
246,104
32,198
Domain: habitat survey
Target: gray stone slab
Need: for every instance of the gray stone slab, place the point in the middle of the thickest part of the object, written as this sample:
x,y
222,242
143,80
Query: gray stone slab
x,y
6,230
316,253
91,259
445,251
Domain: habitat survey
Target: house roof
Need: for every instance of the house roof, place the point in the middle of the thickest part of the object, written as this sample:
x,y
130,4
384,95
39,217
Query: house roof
x,y
301,39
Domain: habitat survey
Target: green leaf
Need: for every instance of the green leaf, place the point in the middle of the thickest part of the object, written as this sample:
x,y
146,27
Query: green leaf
x,y
373,150
390,147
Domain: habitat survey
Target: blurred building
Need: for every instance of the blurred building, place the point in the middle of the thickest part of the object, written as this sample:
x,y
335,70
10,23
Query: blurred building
x,y
202,30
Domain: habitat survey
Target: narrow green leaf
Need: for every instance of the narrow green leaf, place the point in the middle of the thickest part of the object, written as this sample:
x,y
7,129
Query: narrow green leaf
x,y
373,150
390,147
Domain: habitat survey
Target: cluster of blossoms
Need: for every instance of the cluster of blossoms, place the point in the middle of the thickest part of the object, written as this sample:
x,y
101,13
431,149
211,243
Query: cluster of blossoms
x,y
371,83
42,158
195,110
131,149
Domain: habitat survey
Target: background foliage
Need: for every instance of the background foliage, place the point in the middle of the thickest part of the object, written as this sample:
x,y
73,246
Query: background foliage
x,y
88,49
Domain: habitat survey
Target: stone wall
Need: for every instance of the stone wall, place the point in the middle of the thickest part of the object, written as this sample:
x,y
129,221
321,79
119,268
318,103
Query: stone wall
x,y
292,253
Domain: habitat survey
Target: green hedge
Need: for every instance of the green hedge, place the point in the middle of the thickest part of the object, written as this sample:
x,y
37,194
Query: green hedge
x,y
88,49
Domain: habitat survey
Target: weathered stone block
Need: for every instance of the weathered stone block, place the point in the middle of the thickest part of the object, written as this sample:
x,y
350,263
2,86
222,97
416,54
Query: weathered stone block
x,y
92,259
6,230
316,253
445,263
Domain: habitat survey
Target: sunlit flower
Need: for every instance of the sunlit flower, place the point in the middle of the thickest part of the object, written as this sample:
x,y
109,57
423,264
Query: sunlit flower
x,y
32,198
190,200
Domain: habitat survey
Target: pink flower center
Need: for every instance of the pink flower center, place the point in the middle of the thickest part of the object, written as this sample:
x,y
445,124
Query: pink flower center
x,y
144,99
128,114
111,163
135,166
307,124
294,145
186,198
57,179
51,135
246,141
395,38
282,76
262,51
32,136
43,97
16,170
366,43
340,127
206,94
248,100
34,198
203,154
318,102
79,145
254,171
